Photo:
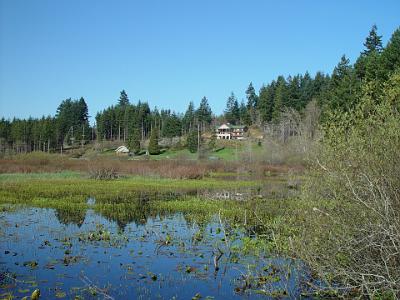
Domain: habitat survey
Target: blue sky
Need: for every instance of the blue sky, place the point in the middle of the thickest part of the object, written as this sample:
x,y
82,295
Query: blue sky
x,y
170,52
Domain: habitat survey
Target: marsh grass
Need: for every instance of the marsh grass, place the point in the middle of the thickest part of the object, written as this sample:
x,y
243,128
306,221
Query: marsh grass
x,y
272,222
18,188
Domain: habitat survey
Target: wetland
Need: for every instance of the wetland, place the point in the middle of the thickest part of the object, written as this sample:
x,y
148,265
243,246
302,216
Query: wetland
x,y
69,236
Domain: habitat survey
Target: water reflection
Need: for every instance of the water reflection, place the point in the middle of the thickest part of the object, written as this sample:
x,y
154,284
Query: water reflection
x,y
68,216
91,201
136,212
158,255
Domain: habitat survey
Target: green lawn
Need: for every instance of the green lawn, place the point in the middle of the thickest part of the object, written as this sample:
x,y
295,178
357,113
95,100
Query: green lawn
x,y
229,151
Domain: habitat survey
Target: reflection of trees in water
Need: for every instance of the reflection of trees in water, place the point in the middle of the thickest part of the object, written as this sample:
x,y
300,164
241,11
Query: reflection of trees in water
x,y
70,216
140,196
137,210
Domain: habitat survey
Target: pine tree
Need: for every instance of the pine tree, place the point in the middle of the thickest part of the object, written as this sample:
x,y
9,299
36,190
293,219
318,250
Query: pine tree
x,y
373,43
172,125
293,93
252,102
391,55
320,88
72,121
134,141
154,148
245,117
368,64
343,87
189,117
83,123
232,112
306,90
252,98
123,99
204,113
266,101
192,141
279,98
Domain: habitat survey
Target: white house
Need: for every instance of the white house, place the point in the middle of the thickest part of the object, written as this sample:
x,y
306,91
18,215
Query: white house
x,y
231,132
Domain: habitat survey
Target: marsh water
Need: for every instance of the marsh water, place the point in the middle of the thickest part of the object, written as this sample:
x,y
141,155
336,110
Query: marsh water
x,y
101,254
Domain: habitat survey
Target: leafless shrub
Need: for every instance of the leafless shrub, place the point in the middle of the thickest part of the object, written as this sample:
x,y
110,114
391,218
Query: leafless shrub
x,y
180,168
293,139
103,172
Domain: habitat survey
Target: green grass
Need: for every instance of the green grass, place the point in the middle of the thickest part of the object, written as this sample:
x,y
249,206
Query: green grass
x,y
175,154
228,154
22,188
232,151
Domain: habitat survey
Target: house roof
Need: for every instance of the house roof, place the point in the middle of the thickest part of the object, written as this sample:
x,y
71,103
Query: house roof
x,y
229,126
122,149
237,126
224,126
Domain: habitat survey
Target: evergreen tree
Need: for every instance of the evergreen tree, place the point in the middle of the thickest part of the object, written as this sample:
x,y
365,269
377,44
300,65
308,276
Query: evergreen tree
x,y
144,117
134,140
252,98
192,141
391,56
83,111
72,121
204,113
292,98
154,148
320,87
368,64
306,90
245,117
83,130
189,117
373,43
279,98
172,126
266,101
122,113
123,99
252,102
343,87
232,112
5,134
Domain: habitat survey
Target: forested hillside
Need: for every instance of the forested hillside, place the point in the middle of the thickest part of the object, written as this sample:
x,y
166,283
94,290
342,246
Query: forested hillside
x,y
129,120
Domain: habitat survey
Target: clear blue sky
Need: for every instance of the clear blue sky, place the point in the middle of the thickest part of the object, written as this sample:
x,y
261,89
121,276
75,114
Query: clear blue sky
x,y
171,52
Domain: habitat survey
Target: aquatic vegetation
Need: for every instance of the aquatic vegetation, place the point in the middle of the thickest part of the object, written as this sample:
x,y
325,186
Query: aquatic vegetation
x,y
130,223
32,264
26,190
101,234
149,251
35,295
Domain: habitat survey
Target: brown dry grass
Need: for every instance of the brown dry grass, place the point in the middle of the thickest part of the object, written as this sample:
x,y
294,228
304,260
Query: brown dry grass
x,y
179,169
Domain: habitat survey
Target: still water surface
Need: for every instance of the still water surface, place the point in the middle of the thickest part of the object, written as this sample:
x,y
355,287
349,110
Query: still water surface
x,y
84,255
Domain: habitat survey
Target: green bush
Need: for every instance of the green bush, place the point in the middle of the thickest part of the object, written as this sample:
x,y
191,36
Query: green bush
x,y
352,234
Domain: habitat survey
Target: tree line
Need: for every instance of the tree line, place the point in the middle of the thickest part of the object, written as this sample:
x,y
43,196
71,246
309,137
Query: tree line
x,y
132,123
